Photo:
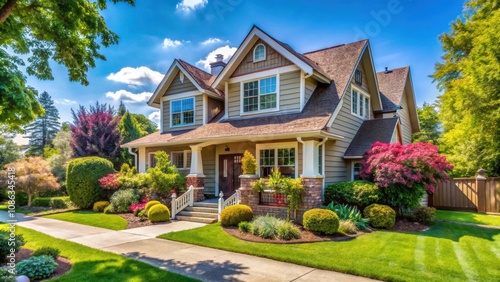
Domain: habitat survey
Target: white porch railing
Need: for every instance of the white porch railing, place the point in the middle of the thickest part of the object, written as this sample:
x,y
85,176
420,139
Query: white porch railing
x,y
233,200
178,204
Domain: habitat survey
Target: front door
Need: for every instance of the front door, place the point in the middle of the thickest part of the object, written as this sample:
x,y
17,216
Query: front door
x,y
229,173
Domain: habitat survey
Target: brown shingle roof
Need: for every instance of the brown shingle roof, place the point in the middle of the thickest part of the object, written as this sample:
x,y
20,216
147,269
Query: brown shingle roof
x,y
370,132
391,85
203,78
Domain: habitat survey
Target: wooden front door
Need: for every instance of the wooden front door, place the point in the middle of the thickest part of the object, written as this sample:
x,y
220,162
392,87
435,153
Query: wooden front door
x,y
229,173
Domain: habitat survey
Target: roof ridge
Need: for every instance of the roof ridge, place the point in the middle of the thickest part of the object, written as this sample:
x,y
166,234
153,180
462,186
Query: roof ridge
x,y
334,46
182,61
394,69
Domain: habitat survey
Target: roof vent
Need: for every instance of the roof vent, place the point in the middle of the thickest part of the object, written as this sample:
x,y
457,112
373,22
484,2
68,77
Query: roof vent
x,y
386,70
217,66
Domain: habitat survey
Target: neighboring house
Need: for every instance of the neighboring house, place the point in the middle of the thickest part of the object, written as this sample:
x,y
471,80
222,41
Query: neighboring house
x,y
311,115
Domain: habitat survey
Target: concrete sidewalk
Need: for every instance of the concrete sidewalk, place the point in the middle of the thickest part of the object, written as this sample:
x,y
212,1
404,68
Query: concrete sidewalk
x,y
198,262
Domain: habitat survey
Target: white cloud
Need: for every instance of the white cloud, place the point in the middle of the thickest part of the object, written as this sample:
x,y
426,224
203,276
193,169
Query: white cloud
x,y
136,76
226,51
66,102
169,43
155,116
187,6
211,41
129,97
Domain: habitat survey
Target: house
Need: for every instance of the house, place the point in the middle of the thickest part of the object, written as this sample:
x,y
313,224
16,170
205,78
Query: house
x,y
311,115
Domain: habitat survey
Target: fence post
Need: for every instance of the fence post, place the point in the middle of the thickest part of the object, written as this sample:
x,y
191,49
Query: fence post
x,y
481,191
174,205
221,203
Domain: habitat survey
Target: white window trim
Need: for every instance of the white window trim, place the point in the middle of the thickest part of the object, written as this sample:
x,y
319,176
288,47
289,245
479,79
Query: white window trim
x,y
265,53
194,113
363,93
352,168
184,156
148,161
242,113
284,145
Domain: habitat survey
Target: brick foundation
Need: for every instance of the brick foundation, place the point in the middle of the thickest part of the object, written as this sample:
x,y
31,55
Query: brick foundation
x,y
198,183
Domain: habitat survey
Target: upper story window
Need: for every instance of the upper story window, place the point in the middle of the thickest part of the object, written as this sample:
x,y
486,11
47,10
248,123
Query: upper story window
x,y
260,95
182,112
259,53
358,77
360,104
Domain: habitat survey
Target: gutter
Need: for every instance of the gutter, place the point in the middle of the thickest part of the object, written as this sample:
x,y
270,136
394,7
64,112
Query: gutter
x,y
133,154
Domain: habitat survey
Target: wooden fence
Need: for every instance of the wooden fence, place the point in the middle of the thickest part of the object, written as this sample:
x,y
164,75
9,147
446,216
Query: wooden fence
x,y
479,194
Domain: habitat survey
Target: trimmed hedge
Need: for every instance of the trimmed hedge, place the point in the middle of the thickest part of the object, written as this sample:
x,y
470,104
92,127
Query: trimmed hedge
x,y
62,202
321,220
424,215
380,216
158,213
358,193
100,206
41,202
82,180
233,215
150,204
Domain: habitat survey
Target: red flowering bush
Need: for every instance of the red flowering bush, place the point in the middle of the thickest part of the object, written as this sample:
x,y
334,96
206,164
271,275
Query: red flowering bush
x,y
140,205
404,172
110,182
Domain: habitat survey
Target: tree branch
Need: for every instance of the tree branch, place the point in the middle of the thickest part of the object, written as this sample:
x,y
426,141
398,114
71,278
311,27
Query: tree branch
x,y
6,10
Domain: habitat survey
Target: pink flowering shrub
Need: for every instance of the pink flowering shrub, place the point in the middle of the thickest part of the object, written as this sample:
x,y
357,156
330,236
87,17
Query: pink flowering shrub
x,y
110,182
404,172
140,205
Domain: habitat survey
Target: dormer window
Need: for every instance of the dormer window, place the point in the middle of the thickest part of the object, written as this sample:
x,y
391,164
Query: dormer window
x,y
259,53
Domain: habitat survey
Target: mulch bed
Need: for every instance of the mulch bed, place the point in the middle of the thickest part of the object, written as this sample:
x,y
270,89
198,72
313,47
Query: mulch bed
x,y
402,225
63,264
133,221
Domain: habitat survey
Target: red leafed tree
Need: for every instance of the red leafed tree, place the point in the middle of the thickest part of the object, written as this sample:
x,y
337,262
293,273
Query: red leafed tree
x,y
95,132
404,172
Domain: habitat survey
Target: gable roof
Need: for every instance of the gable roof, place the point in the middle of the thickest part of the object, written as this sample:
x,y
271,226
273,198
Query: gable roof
x,y
391,85
370,132
203,78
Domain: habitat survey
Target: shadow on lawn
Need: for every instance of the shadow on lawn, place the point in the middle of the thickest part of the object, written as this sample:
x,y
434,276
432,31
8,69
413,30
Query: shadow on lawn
x,y
454,232
207,269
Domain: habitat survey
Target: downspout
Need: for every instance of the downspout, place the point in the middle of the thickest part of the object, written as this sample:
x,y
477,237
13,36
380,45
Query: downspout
x,y
133,154
323,166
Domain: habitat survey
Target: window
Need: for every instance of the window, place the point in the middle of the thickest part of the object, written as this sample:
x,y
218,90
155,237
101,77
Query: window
x,y
356,167
358,77
259,53
181,159
152,160
277,158
360,104
260,95
320,159
182,112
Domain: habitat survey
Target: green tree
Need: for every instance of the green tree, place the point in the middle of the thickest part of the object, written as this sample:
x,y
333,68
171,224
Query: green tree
x,y
469,77
44,128
129,128
429,124
121,109
59,161
9,151
146,126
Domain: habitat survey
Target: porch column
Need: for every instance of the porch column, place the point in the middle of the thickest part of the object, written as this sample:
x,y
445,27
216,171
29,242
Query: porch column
x,y
310,162
142,160
196,176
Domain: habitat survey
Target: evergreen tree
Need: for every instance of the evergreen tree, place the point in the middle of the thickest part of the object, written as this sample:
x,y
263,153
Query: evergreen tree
x,y
9,151
121,109
59,161
146,126
129,128
44,128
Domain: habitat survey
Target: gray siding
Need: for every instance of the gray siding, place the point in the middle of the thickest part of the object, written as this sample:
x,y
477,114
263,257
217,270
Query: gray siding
x,y
290,91
233,100
177,86
198,115
208,158
311,84
404,116
273,60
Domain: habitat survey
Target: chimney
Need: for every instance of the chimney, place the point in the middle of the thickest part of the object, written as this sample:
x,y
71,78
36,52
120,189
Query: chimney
x,y
217,66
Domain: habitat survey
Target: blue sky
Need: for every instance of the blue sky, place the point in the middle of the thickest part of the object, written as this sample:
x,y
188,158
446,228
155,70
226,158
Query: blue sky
x,y
154,33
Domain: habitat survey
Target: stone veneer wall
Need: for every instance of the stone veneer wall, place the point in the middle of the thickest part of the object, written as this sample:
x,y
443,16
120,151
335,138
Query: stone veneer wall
x,y
311,199
198,183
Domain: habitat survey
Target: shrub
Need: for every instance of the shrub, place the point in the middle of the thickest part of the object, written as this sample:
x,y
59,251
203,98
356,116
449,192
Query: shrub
x,y
100,206
122,199
424,215
6,275
321,220
150,204
137,211
46,251
60,202
164,177
158,213
347,227
248,163
110,209
41,202
358,193
380,216
21,198
287,231
109,182
82,180
37,268
351,213
5,248
142,215
245,226
270,227
235,214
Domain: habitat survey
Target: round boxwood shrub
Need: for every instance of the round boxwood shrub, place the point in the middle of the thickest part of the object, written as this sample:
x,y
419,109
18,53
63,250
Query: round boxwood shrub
x,y
46,251
82,180
321,220
380,216
150,204
158,213
5,248
100,206
233,215
37,268
358,193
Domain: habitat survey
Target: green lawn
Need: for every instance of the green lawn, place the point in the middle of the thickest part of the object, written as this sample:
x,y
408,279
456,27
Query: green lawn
x,y
109,221
4,207
446,252
95,265
470,217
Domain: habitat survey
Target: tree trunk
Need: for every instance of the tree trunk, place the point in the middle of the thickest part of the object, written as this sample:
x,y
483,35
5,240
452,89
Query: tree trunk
x,y
6,9
29,200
